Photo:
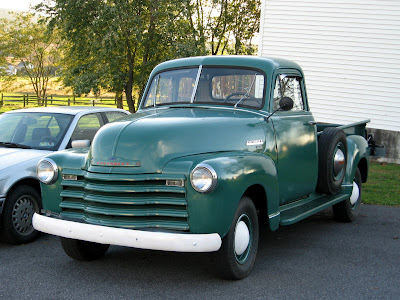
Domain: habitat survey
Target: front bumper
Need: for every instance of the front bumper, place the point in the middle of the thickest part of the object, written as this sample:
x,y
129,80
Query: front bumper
x,y
178,242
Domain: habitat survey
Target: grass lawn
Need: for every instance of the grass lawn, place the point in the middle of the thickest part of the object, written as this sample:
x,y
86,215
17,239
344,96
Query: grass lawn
x,y
383,185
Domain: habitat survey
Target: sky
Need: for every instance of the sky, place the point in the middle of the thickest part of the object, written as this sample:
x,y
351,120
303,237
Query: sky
x,y
22,5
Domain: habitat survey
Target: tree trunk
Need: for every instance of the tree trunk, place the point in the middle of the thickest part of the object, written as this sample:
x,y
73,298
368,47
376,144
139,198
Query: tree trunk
x,y
129,83
118,98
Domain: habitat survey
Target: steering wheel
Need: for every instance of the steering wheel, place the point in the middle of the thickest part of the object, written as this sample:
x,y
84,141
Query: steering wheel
x,y
228,98
48,139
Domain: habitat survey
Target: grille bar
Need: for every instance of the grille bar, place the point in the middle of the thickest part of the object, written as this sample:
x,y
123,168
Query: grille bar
x,y
123,177
112,188
123,200
130,223
123,210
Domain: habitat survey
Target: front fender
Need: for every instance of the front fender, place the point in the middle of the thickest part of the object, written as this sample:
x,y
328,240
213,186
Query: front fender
x,y
14,174
214,212
74,159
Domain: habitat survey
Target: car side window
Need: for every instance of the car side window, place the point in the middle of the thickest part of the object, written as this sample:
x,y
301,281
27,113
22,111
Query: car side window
x,y
87,127
114,115
288,86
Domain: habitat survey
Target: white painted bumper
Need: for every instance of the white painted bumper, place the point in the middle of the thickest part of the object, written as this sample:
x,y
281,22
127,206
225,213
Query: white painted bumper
x,y
178,242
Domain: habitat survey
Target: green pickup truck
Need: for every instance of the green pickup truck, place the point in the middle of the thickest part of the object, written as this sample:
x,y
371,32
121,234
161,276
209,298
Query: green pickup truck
x,y
218,147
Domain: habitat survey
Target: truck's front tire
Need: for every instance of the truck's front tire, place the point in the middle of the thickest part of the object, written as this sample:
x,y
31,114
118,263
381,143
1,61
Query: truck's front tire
x,y
238,252
83,250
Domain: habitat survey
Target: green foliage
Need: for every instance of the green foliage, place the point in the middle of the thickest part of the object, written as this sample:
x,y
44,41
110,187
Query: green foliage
x,y
115,44
382,186
24,40
225,26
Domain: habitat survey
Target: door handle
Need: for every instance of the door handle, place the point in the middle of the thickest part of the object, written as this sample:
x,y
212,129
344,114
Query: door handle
x,y
312,123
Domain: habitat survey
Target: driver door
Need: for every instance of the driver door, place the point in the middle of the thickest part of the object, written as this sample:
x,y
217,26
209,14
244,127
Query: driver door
x,y
296,140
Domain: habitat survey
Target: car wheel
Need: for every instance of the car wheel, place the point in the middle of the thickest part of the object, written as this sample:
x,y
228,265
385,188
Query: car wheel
x,y
349,209
332,159
83,250
20,205
238,252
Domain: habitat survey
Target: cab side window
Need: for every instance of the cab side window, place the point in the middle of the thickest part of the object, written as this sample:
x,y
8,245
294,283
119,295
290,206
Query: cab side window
x,y
87,127
288,86
114,115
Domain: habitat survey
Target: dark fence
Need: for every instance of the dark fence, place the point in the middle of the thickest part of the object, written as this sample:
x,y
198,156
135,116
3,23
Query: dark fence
x,y
55,100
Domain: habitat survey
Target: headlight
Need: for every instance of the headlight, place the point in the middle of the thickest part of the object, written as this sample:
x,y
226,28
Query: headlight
x,y
47,171
203,178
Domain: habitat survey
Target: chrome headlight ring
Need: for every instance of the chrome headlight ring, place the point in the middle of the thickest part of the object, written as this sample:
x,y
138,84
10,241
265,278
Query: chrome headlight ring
x,y
47,171
203,178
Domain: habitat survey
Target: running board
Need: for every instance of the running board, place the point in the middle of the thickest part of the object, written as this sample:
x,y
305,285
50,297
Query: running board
x,y
301,209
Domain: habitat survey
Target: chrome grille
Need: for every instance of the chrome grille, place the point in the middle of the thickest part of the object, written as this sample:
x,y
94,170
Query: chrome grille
x,y
125,201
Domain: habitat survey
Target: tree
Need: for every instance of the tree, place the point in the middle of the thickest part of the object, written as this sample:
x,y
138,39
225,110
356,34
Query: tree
x,y
115,44
244,25
225,26
27,41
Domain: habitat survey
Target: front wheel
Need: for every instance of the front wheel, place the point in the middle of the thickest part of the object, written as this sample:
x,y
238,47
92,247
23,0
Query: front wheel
x,y
83,250
236,257
349,209
20,205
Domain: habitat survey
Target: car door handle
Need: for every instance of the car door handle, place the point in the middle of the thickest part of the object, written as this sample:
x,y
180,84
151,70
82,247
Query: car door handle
x,y
312,123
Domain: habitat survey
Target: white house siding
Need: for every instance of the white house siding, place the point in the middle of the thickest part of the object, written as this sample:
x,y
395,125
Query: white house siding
x,y
349,52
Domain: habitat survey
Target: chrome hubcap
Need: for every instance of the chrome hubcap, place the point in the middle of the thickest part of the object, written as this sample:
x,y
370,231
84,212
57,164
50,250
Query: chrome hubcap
x,y
339,161
243,236
355,194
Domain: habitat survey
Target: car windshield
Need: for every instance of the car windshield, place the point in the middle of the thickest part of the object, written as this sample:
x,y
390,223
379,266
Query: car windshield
x,y
35,130
208,85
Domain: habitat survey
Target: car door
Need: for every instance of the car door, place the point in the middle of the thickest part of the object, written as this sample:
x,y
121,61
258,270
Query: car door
x,y
296,139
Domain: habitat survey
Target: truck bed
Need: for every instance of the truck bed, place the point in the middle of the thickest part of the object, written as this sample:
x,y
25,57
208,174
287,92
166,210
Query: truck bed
x,y
357,128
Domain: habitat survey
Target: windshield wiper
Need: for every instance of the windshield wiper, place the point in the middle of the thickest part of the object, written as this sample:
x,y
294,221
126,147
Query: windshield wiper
x,y
14,145
247,93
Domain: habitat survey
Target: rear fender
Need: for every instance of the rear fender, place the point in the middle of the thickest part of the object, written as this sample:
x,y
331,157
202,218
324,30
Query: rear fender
x,y
357,151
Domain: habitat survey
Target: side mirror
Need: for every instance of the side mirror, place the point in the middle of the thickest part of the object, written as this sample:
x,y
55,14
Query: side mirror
x,y
286,103
80,144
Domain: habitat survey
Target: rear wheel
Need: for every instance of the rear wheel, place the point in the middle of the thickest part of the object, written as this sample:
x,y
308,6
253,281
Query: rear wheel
x,y
20,205
83,250
349,209
236,257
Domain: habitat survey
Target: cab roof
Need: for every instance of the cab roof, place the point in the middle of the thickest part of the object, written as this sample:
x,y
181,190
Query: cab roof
x,y
268,65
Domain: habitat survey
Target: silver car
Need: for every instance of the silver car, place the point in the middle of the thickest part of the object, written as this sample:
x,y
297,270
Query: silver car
x,y
27,135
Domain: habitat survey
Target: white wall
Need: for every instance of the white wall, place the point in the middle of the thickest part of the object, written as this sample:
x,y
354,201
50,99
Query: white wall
x,y
349,52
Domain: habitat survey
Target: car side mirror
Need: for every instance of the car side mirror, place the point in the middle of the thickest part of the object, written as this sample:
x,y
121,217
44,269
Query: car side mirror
x,y
286,103
80,144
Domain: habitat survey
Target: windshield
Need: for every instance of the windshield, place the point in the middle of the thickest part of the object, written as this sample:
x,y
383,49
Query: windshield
x,y
209,85
43,131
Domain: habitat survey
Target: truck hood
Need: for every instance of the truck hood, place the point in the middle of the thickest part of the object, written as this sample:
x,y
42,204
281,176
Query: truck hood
x,y
146,141
13,156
